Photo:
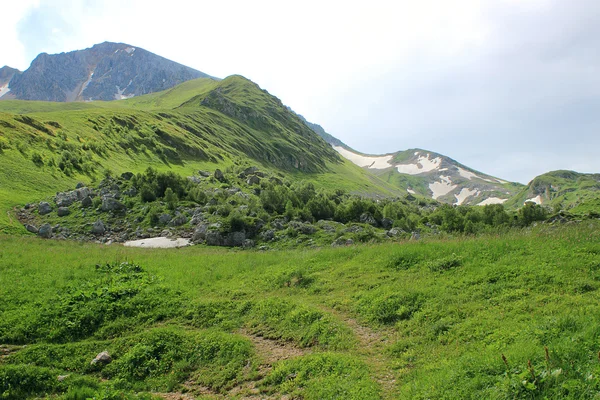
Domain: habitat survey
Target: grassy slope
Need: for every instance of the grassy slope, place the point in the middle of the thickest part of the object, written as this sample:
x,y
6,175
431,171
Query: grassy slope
x,y
563,190
428,319
238,123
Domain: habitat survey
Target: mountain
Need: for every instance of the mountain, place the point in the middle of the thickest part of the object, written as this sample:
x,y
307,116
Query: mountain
x,y
6,75
202,124
571,191
106,71
428,174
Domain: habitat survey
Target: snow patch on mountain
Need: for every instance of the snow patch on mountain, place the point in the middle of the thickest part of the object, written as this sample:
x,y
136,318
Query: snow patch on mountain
x,y
423,164
4,90
411,191
130,50
491,200
537,199
376,162
444,186
464,194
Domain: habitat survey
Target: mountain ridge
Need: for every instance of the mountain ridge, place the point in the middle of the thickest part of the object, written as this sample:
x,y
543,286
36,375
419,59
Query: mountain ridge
x,y
105,71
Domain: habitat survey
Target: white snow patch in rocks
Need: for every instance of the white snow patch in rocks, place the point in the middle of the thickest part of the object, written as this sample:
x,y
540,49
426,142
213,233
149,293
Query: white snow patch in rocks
x,y
375,162
4,90
492,200
158,243
423,164
537,199
411,191
130,50
464,194
444,186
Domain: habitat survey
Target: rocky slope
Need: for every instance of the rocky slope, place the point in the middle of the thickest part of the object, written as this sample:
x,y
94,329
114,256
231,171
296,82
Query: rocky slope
x,y
428,174
106,71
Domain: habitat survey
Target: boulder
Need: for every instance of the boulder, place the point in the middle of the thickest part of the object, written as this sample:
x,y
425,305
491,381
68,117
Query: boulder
x,y
79,185
387,223
415,236
112,204
367,218
131,192
219,175
61,378
253,180
235,239
268,235
214,238
127,176
82,193
45,231
200,233
44,208
393,232
31,228
98,228
65,199
102,358
204,174
164,219
87,202
63,211
179,220
248,171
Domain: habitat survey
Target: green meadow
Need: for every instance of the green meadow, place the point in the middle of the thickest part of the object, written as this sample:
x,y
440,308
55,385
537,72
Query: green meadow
x,y
506,316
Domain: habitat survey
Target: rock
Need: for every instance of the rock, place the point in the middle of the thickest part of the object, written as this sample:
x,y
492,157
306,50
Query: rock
x,y
415,236
349,242
62,377
79,185
200,233
387,223
268,235
393,232
131,192
63,211
164,219
204,174
111,204
102,358
179,220
214,238
98,228
235,239
248,244
45,231
65,199
82,193
127,176
278,224
219,175
31,228
44,208
166,233
87,202
253,180
248,171
367,218
194,179
197,218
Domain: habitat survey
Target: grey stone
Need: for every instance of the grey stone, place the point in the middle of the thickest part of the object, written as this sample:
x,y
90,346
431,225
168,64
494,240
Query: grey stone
x,y
200,233
79,185
194,179
214,238
197,218
253,180
415,236
204,174
61,378
31,228
102,358
387,223
235,239
268,235
367,218
82,193
63,211
45,231
179,220
127,176
393,232
164,219
111,204
87,202
248,244
248,171
98,228
65,199
44,208
219,175
131,192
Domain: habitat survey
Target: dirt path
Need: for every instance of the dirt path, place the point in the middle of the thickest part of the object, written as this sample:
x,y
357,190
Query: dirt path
x,y
268,351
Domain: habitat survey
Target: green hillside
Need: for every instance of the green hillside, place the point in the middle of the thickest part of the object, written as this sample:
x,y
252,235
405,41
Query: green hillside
x,y
200,124
570,191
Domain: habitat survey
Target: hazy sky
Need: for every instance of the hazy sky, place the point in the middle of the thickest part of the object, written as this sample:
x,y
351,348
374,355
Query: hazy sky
x,y
508,87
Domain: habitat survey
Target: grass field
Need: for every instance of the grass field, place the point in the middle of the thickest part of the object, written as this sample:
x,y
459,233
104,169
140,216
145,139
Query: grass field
x,y
495,317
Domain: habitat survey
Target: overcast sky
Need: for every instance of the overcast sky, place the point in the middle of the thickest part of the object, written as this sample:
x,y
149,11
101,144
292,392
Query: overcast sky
x,y
508,87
